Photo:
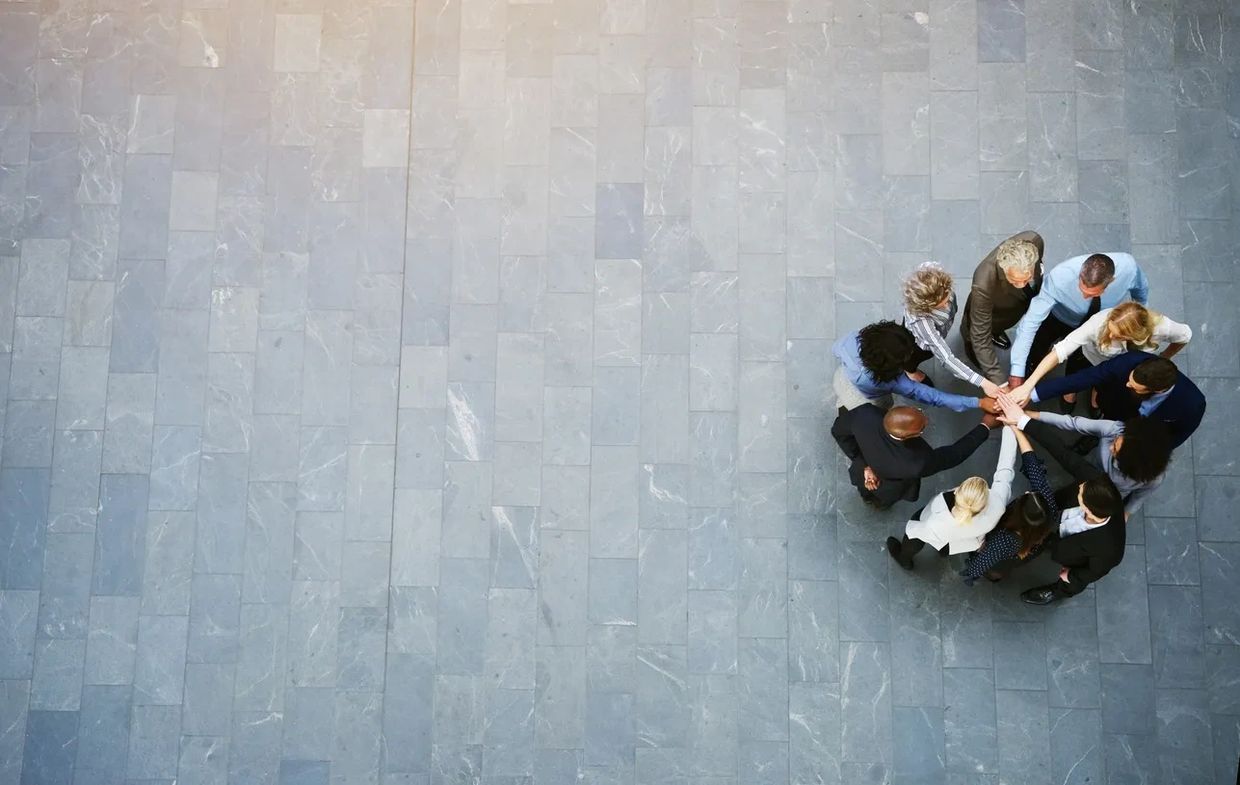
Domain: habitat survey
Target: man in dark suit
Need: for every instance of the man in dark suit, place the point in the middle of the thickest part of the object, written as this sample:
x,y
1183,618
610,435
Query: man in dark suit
x,y
888,454
1137,384
1003,285
1090,540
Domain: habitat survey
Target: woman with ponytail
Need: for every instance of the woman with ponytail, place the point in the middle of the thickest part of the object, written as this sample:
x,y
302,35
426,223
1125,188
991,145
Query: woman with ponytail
x,y
957,521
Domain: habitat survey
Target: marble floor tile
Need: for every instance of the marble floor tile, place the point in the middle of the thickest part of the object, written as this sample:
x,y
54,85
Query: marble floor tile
x,y
411,392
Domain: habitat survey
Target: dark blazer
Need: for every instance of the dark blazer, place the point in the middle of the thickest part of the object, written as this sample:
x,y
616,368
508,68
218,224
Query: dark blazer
x,y
1090,554
994,305
1181,411
900,465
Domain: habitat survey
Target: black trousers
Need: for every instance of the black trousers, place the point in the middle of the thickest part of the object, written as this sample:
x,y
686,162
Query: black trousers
x,y
1051,332
911,546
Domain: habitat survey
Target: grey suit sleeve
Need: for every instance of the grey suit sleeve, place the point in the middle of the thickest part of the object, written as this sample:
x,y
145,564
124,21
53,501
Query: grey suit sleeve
x,y
981,333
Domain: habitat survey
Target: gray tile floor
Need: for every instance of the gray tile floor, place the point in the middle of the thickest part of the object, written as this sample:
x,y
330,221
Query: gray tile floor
x,y
438,393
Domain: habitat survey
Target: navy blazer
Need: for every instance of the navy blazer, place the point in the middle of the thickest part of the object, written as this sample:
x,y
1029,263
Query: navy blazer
x,y
1181,411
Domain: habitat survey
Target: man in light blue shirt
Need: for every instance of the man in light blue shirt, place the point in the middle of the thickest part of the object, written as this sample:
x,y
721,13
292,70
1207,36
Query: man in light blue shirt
x,y
1072,292
873,360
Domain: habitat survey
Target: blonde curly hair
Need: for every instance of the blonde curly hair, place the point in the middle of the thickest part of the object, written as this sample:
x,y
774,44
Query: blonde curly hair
x,y
1018,255
924,288
972,496
1130,323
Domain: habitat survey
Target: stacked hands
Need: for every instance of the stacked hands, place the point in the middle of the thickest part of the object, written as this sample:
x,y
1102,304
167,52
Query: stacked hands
x,y
1088,313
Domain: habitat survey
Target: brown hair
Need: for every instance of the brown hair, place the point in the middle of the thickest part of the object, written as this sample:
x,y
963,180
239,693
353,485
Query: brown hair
x,y
1029,519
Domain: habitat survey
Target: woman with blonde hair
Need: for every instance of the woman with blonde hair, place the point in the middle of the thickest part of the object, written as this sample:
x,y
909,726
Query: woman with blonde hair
x,y
958,520
929,312
1106,334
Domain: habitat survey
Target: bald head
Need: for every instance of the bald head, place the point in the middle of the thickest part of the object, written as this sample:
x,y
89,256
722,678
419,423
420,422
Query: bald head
x,y
904,422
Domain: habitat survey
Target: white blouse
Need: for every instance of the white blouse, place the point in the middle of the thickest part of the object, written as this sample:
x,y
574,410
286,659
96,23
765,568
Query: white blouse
x,y
938,527
1166,332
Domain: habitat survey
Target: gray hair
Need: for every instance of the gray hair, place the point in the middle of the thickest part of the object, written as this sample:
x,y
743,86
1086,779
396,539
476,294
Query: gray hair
x,y
1017,255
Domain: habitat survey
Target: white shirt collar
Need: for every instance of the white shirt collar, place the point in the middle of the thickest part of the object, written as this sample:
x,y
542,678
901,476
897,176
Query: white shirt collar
x,y
1073,522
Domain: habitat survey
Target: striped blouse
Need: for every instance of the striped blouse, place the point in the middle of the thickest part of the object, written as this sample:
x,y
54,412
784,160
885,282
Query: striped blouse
x,y
930,331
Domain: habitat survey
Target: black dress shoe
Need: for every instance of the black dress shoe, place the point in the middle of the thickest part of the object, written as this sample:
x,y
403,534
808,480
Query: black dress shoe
x,y
1001,340
1085,445
893,548
1039,596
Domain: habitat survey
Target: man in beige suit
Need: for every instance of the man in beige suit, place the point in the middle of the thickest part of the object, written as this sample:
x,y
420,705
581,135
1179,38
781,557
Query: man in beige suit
x,y
1003,285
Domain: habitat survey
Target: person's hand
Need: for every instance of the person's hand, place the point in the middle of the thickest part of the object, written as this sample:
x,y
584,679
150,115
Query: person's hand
x,y
1015,381
990,420
871,479
988,405
1063,575
991,389
1021,394
1012,412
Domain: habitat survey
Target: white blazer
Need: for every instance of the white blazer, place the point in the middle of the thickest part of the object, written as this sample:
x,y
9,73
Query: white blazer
x,y
937,527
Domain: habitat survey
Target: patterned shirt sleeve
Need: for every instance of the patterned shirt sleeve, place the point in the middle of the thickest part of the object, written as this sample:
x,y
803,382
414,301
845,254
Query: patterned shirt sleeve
x,y
1000,546
928,337
1035,471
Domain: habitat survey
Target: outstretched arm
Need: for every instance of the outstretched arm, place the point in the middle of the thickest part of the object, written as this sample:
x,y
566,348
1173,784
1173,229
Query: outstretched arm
x,y
1066,422
1094,376
1025,390
926,334
951,455
932,396
1035,472
1039,309
1001,483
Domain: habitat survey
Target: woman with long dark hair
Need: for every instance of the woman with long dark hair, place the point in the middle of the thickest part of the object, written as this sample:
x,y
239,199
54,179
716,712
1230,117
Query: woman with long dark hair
x,y
1025,524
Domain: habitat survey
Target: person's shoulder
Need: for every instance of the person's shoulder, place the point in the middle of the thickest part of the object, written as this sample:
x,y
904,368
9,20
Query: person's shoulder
x,y
1128,359
987,271
1068,269
866,413
1189,389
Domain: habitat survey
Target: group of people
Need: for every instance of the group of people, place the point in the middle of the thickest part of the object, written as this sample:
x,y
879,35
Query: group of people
x,y
1088,313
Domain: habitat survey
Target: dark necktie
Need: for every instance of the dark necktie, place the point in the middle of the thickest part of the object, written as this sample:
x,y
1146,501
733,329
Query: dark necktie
x,y
1095,305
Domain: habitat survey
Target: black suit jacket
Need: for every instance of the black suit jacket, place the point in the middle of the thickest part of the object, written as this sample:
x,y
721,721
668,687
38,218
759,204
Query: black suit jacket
x,y
1181,411
900,465
1091,554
